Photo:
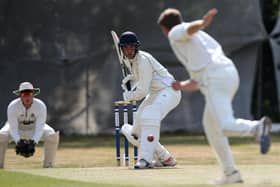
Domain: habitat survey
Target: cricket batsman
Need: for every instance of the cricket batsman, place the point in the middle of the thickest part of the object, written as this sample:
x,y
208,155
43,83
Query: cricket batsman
x,y
26,126
216,76
151,81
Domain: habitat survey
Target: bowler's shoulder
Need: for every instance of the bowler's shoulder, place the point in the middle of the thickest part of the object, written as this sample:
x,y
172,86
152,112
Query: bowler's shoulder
x,y
180,26
178,31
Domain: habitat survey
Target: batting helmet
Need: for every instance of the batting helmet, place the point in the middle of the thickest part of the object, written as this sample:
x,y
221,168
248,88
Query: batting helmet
x,y
129,38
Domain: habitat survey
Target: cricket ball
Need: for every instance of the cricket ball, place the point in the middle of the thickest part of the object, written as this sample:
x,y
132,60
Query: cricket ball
x,y
150,138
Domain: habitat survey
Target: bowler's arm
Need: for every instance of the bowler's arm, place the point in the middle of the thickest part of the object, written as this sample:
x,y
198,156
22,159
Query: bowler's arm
x,y
195,26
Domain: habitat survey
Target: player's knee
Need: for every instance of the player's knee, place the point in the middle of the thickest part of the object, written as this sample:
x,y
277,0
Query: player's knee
x,y
136,130
48,130
150,134
126,129
52,138
127,132
227,125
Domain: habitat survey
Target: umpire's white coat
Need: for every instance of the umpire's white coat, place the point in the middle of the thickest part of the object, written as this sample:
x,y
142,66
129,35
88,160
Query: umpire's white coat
x,y
27,123
153,82
218,78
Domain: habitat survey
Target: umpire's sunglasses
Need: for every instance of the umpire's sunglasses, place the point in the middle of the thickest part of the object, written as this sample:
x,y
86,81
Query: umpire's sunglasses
x,y
26,93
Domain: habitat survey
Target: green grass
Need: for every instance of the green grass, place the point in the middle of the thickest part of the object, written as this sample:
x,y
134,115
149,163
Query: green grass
x,y
20,179
198,175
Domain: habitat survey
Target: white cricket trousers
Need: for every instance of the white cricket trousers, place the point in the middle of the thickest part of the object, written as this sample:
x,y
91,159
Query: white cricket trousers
x,y
220,84
148,117
27,134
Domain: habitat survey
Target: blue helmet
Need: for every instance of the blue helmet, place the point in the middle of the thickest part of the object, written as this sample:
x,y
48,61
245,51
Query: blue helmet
x,y
129,38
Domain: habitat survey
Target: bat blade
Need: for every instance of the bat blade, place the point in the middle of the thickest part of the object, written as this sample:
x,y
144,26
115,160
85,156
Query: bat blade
x,y
120,56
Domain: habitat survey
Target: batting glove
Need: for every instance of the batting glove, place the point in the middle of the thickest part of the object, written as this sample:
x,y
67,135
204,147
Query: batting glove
x,y
126,80
127,96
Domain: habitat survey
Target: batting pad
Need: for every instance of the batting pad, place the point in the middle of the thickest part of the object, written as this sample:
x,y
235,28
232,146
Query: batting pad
x,y
50,147
149,139
3,146
160,152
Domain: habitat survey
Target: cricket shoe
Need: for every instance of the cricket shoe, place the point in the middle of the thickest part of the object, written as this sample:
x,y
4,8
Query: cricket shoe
x,y
263,131
231,178
48,165
142,164
168,162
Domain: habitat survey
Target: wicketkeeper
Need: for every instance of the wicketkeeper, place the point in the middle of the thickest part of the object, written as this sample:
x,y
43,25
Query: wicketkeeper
x,y
149,80
26,126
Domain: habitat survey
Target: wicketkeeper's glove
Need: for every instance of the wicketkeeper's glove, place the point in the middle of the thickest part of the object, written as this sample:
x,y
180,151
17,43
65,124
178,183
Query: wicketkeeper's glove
x,y
25,148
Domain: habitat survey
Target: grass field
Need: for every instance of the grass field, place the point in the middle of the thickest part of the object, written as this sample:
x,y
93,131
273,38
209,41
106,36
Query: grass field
x,y
90,161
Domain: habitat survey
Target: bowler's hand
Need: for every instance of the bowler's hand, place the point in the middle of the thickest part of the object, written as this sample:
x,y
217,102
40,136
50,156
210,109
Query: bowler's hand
x,y
176,85
207,19
188,85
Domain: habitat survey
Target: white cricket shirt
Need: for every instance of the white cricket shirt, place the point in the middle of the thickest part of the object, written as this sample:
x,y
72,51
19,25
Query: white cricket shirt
x,y
149,74
197,51
33,118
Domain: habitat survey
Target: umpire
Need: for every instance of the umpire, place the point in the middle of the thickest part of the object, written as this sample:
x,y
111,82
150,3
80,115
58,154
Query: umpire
x,y
26,126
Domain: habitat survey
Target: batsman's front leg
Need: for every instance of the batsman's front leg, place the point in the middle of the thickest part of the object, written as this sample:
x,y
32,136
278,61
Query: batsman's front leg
x,y
149,137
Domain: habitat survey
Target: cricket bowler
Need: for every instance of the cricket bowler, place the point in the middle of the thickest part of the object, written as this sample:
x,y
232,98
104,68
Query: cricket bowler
x,y
216,76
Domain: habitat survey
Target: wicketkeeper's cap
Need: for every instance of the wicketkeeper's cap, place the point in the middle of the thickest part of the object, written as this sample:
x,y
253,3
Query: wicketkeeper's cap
x,y
25,86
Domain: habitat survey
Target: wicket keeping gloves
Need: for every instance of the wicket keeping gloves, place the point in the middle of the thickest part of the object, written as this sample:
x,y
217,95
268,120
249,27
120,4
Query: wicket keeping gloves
x,y
25,148
126,80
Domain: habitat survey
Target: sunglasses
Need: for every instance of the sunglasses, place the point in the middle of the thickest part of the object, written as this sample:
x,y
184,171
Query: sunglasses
x,y
26,93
